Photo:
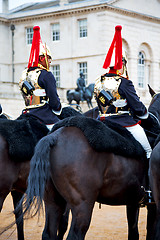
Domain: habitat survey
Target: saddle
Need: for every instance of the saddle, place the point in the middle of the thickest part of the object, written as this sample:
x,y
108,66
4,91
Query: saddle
x,y
105,137
22,135
68,112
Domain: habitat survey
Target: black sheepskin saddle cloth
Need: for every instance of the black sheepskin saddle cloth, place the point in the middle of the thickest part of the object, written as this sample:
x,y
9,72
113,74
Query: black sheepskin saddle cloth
x,y
22,135
68,112
106,136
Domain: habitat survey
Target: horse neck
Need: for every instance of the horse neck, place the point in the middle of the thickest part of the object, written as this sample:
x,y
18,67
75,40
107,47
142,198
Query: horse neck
x,y
91,87
154,109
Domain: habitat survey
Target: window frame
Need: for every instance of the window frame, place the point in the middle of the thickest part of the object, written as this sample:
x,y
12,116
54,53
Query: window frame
x,y
82,28
141,70
29,35
55,31
56,73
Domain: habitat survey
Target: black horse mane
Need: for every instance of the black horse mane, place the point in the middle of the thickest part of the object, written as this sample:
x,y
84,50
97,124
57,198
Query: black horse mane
x,y
68,112
112,138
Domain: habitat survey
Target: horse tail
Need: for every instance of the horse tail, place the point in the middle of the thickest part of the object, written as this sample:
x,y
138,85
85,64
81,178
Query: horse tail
x,y
38,176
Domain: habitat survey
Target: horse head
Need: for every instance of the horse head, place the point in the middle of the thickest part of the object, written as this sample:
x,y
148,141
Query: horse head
x,y
154,107
91,87
88,94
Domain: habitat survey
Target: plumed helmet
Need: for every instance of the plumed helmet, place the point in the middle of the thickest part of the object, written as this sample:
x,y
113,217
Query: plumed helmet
x,y
44,50
124,58
37,49
115,51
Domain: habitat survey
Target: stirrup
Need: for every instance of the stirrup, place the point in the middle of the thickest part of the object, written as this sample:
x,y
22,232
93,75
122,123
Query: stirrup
x,y
148,199
149,195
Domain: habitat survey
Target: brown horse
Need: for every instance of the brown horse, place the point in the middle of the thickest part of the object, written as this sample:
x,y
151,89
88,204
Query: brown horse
x,y
13,172
14,165
79,173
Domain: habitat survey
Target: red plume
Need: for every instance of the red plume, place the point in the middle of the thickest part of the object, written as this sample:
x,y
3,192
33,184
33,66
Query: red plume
x,y
117,44
34,54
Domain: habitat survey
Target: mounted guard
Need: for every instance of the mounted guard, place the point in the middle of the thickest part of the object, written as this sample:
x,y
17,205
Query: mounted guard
x,y
38,85
116,96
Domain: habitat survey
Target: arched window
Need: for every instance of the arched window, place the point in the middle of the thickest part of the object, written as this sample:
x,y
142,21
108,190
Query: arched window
x,y
141,70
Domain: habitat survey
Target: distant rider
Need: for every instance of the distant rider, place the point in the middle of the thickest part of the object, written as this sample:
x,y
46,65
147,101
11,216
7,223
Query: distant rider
x,y
81,85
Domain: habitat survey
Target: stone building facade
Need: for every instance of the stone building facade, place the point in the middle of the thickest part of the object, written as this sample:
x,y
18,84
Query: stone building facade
x,y
79,34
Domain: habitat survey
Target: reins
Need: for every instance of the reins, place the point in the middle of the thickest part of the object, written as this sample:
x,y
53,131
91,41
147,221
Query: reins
x,y
155,118
151,133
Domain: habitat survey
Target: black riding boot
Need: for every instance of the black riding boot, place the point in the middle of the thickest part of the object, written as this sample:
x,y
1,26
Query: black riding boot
x,y
148,191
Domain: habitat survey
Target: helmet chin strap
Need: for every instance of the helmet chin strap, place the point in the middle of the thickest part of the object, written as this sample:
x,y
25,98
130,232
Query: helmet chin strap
x,y
46,59
124,73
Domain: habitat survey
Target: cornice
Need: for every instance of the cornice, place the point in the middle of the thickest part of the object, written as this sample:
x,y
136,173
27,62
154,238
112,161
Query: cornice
x,y
85,9
4,20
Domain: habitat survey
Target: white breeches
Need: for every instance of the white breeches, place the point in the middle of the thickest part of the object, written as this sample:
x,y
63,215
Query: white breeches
x,y
139,134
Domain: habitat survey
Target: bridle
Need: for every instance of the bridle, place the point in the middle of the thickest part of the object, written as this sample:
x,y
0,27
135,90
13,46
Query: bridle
x,y
155,118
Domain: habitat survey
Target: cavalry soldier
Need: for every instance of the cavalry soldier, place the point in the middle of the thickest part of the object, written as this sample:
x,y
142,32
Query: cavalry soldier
x,y
116,95
81,85
38,85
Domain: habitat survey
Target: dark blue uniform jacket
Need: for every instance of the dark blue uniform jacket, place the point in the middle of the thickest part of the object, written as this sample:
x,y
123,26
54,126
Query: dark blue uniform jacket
x,y
47,81
127,91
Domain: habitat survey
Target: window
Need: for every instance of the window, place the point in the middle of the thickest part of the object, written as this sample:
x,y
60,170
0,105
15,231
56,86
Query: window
x,y
82,28
56,32
56,73
141,70
29,35
83,68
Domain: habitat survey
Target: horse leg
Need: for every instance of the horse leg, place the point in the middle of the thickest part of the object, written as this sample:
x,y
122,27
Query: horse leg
x,y
91,104
151,219
55,206
88,103
81,218
16,196
132,217
51,216
157,229
63,225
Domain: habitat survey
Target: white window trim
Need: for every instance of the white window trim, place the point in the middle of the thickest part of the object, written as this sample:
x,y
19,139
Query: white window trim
x,y
52,31
79,32
27,35
141,72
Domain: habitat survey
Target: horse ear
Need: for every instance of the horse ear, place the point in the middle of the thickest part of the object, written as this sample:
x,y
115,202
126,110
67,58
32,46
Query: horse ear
x,y
152,92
